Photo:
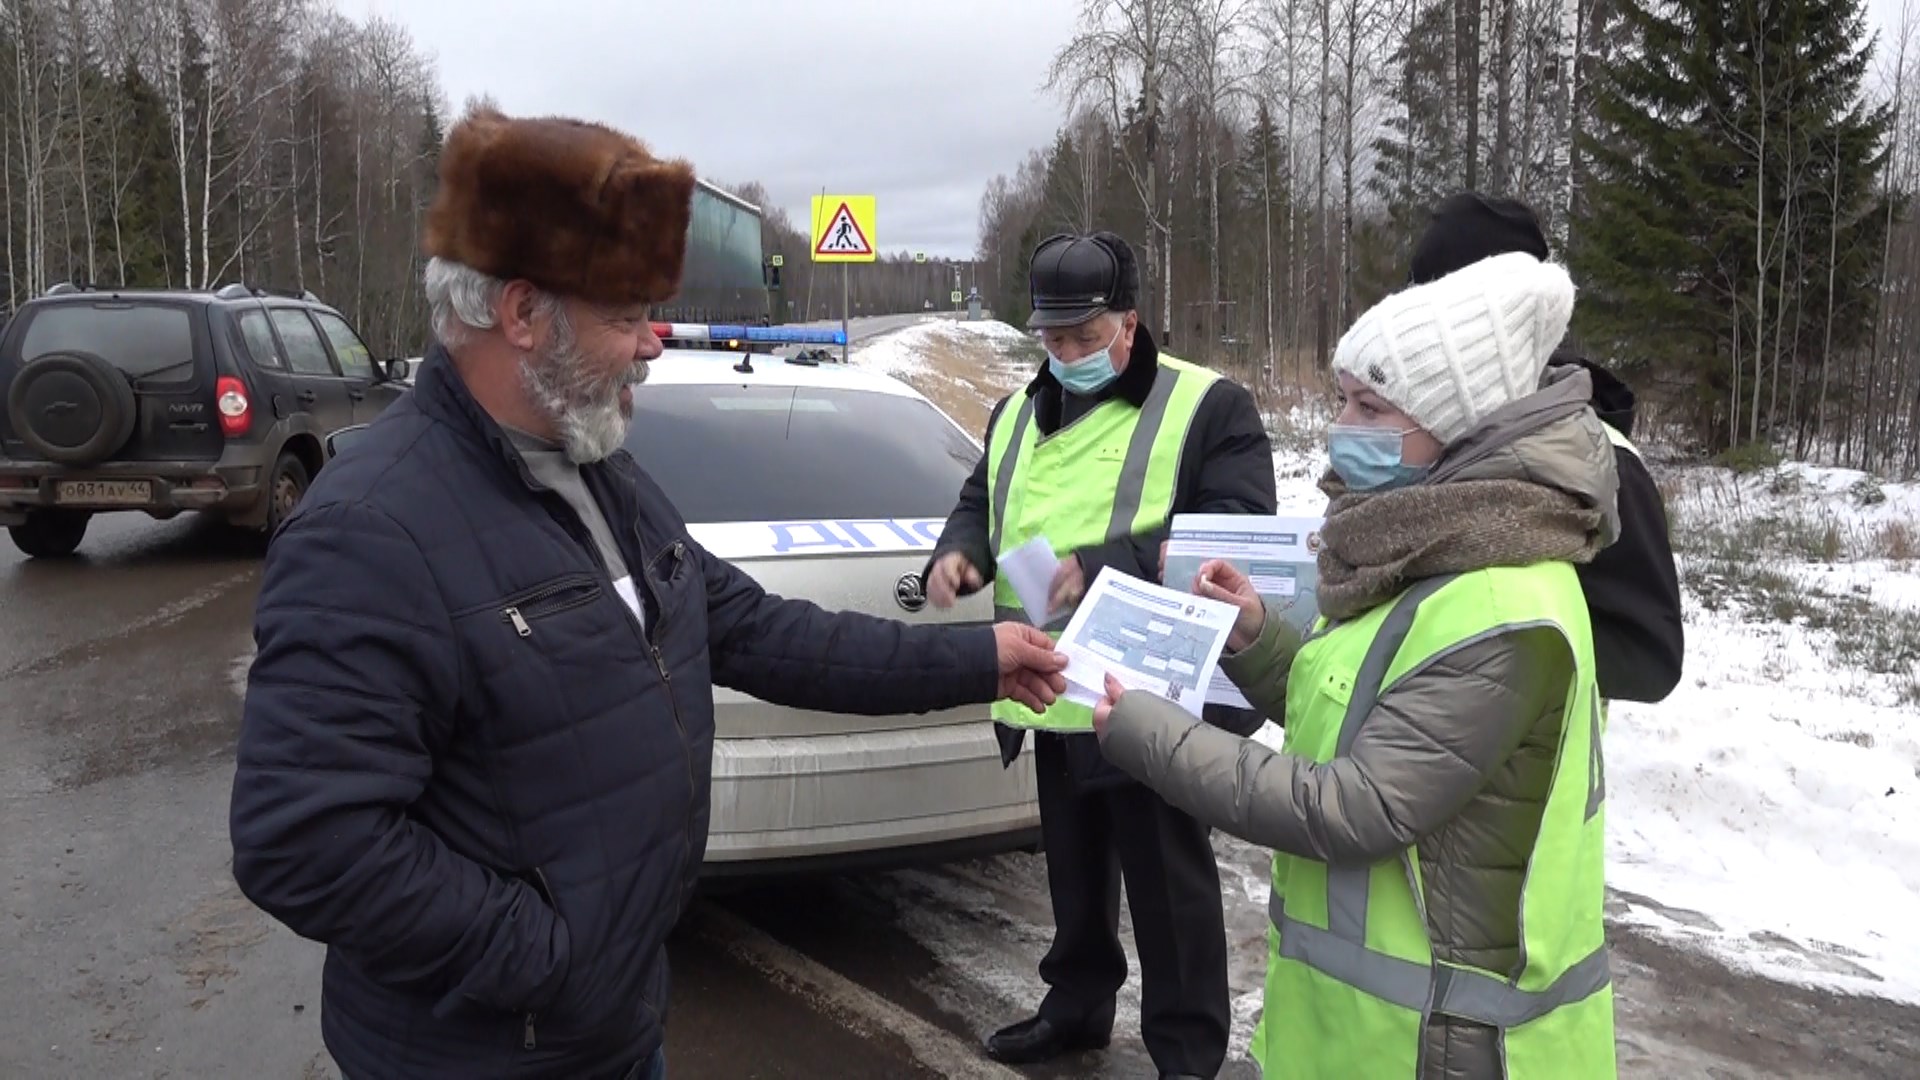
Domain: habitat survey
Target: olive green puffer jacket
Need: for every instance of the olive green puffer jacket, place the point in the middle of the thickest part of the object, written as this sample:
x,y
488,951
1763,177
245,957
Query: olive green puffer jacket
x,y
1455,759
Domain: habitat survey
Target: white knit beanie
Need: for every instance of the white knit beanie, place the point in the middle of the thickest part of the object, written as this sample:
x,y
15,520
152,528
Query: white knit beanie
x,y
1451,351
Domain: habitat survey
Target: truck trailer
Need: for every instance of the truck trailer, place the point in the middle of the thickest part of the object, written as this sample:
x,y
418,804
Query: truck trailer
x,y
723,279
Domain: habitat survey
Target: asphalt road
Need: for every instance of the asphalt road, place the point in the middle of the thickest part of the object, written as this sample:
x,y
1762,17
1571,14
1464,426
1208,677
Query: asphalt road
x,y
129,953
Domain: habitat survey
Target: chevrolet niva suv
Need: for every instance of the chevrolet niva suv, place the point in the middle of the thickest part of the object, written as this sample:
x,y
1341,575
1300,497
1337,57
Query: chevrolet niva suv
x,y
165,401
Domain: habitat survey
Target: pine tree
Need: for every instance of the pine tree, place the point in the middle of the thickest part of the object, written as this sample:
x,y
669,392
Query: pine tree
x,y
1720,132
432,136
1062,207
149,225
1419,157
1262,199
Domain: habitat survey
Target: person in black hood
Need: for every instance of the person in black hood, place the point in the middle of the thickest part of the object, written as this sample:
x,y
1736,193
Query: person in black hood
x,y
1632,587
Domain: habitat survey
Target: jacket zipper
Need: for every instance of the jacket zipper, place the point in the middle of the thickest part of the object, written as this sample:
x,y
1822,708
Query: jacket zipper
x,y
546,893
678,551
521,618
520,610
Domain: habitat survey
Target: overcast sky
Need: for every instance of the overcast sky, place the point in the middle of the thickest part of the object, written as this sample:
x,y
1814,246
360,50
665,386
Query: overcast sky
x,y
918,102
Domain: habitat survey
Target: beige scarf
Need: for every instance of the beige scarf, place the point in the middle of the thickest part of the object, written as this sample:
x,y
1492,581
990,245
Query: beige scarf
x,y
1376,544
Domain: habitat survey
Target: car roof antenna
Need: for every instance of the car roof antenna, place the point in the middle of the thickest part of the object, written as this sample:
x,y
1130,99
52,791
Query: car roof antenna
x,y
745,366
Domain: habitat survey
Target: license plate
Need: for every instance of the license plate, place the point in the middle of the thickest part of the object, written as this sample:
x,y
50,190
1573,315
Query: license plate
x,y
103,491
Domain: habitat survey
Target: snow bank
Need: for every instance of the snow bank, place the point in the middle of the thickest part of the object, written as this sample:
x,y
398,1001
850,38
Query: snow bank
x,y
899,354
904,352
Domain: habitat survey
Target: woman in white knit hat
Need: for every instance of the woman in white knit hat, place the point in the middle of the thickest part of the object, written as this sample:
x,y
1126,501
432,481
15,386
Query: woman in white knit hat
x,y
1436,810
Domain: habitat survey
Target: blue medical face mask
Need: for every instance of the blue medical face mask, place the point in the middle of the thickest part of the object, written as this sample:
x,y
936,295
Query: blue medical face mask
x,y
1090,374
1368,458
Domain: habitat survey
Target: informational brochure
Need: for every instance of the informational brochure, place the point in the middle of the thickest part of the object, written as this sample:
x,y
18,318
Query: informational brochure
x,y
1163,641
1029,570
1279,555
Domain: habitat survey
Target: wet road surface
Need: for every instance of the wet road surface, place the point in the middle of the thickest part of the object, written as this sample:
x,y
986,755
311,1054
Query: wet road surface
x,y
130,953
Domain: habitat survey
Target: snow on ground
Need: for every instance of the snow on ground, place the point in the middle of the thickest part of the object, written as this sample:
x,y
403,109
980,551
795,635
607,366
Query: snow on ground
x,y
963,367
900,354
905,352
1768,812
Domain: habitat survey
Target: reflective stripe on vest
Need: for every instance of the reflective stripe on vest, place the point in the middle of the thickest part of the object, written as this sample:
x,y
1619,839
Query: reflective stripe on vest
x,y
1453,991
1375,939
1619,439
1109,474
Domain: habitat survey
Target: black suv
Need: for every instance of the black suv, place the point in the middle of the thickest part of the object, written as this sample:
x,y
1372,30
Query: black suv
x,y
164,401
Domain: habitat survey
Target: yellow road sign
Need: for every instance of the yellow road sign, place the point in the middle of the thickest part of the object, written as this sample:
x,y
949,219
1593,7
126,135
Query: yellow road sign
x,y
919,256
843,229
779,260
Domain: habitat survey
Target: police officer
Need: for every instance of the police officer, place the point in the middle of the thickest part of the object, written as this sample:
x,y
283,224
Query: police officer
x,y
1109,441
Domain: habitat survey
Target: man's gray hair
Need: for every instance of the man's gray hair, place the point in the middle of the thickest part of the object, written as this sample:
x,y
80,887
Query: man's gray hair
x,y
460,300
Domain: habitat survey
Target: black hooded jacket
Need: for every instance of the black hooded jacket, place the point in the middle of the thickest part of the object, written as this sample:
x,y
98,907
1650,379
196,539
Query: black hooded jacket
x,y
1632,587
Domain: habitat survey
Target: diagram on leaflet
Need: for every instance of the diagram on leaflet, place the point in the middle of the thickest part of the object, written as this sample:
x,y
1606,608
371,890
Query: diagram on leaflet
x,y
1137,639
1146,637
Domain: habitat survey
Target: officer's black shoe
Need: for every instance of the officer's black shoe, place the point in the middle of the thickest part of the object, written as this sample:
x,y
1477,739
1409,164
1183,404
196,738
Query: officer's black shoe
x,y
1030,1042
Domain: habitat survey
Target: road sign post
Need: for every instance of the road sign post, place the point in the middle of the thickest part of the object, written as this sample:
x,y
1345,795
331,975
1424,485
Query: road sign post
x,y
844,232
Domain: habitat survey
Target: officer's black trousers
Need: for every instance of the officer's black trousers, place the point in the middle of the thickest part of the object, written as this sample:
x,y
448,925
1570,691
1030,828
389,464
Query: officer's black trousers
x,y
1093,839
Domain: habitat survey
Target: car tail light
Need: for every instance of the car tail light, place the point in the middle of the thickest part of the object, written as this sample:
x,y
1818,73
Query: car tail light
x,y
236,411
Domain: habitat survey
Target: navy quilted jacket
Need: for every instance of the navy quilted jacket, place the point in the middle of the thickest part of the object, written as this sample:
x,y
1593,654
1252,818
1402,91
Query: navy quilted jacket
x,y
465,767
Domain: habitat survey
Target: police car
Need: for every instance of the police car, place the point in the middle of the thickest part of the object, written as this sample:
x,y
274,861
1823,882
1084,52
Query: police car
x,y
828,483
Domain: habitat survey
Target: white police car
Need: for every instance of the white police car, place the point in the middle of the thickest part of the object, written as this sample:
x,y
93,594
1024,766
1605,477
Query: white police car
x,y
829,483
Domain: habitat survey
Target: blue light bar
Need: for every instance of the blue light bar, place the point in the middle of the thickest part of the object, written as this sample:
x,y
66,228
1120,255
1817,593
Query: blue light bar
x,y
761,335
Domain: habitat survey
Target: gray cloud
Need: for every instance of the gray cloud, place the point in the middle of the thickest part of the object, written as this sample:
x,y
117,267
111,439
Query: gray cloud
x,y
918,103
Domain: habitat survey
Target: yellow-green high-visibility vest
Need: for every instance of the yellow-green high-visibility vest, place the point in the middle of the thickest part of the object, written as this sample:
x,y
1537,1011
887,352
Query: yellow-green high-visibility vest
x,y
1619,439
1109,474
1352,980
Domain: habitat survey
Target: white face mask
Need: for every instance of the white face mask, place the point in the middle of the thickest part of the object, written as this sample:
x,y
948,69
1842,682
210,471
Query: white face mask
x,y
1091,373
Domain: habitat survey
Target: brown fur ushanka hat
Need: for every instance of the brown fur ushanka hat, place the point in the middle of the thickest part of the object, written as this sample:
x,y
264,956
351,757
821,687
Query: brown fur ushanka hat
x,y
577,208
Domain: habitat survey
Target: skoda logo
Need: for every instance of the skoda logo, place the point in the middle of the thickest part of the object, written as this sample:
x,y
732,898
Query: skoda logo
x,y
908,593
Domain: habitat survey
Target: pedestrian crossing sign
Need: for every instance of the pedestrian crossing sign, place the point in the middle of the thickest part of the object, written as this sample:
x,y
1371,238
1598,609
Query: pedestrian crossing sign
x,y
843,229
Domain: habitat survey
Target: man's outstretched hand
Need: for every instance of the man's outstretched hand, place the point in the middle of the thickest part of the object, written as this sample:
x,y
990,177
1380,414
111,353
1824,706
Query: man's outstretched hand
x,y
1030,667
950,574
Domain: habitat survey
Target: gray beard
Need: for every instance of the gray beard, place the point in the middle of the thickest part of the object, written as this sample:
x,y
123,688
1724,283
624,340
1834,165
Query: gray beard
x,y
584,408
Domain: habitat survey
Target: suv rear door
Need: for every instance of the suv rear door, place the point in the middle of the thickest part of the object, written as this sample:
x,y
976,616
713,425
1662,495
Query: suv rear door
x,y
318,387
160,346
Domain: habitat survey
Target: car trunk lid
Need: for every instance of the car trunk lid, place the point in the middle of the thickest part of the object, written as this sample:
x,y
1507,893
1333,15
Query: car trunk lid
x,y
869,567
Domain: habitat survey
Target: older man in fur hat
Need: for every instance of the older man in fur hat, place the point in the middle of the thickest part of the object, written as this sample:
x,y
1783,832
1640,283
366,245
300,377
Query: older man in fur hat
x,y
478,734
